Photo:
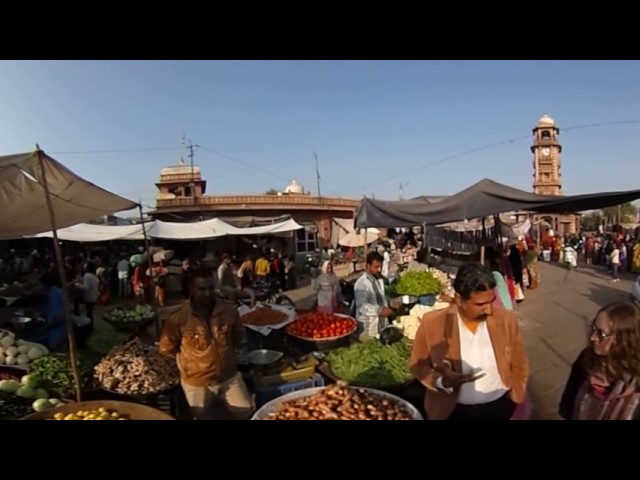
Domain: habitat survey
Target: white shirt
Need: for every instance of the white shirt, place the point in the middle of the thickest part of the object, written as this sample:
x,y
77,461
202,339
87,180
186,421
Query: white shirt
x,y
615,256
477,355
91,288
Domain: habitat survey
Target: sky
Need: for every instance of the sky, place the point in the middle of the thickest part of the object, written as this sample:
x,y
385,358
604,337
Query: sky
x,y
379,128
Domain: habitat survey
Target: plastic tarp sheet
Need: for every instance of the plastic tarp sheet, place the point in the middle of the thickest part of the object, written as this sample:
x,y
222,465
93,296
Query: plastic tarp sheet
x,y
207,229
86,232
23,201
482,199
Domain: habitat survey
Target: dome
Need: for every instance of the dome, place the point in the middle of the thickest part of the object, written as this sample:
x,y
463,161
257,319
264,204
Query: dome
x,y
294,187
546,121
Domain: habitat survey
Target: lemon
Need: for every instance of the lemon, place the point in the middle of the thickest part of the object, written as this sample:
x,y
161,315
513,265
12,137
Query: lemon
x,y
115,415
121,418
58,416
102,410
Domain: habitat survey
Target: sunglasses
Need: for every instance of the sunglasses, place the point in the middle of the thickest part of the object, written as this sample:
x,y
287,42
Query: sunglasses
x,y
600,334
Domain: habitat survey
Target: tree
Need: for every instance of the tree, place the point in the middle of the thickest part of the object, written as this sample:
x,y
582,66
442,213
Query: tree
x,y
627,211
271,191
590,221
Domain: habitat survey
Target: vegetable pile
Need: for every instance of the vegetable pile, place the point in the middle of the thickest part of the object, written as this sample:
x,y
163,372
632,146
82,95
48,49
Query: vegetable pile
x,y
55,373
372,364
317,326
417,284
409,323
136,369
19,398
137,314
264,316
18,352
99,414
341,402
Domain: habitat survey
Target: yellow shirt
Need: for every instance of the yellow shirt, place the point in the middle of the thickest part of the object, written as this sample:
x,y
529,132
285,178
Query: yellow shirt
x,y
262,267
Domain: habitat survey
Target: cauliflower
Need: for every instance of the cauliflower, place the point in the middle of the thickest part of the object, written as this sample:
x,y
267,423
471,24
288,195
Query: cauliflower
x,y
9,360
7,342
418,311
35,353
23,349
12,352
22,359
409,326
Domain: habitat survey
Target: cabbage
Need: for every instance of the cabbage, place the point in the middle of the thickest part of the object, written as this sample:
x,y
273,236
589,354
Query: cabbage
x,y
12,352
22,359
9,386
9,360
30,381
23,349
41,405
7,342
35,353
25,392
54,402
40,393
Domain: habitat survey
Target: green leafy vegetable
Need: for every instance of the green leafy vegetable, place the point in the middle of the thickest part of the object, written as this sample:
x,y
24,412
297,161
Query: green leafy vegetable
x,y
417,284
371,364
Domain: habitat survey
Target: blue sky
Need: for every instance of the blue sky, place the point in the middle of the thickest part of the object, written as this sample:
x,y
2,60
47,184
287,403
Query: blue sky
x,y
373,124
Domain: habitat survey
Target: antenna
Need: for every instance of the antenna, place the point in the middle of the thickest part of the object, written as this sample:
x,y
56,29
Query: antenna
x,y
190,146
315,155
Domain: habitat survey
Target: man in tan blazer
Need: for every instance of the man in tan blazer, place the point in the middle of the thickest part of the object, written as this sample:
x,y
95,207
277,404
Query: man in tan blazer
x,y
471,356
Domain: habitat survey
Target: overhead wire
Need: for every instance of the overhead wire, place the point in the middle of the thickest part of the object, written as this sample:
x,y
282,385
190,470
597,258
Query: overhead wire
x,y
492,145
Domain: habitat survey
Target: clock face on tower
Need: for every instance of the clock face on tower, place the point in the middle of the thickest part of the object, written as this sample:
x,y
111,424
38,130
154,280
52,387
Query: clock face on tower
x,y
545,151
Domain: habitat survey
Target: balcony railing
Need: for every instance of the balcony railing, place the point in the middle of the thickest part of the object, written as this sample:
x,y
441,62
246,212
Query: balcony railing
x,y
263,201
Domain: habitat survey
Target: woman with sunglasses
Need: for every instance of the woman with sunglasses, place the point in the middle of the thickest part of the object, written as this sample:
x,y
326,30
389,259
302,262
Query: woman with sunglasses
x,y
604,383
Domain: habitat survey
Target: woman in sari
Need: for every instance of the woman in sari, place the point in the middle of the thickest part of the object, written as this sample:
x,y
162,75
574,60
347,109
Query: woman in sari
x,y
328,289
503,296
604,383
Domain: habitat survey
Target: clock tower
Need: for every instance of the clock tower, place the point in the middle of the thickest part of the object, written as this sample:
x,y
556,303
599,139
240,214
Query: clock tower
x,y
546,151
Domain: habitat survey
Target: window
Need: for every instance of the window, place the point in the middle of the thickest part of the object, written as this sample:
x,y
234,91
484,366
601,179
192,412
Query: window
x,y
546,135
306,239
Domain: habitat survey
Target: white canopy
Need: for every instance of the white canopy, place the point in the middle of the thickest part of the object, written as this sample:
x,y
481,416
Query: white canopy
x,y
208,229
23,203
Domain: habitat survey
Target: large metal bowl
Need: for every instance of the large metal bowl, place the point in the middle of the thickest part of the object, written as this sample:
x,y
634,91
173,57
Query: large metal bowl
x,y
275,404
264,357
134,411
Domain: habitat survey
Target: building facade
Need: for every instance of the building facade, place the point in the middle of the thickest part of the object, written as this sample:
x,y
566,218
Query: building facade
x,y
181,198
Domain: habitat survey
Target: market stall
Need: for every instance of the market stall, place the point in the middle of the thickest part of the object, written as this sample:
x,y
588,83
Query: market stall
x,y
39,194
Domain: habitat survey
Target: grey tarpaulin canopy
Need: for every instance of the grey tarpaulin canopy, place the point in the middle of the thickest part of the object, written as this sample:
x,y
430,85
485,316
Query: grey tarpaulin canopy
x,y
482,199
23,204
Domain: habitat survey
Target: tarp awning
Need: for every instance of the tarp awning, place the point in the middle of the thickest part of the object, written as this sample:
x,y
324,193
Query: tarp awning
x,y
208,229
23,202
482,199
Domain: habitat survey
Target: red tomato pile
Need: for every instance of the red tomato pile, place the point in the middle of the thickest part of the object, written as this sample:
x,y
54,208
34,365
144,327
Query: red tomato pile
x,y
318,325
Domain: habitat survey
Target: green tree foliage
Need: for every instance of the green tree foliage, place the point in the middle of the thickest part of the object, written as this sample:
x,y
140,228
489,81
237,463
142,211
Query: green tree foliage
x,y
627,211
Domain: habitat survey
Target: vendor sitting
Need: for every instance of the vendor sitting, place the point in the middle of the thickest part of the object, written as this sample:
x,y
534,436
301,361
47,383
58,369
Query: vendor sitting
x,y
50,330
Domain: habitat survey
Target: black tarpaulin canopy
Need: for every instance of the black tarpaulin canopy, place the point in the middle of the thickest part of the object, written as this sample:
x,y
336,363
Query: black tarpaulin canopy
x,y
482,199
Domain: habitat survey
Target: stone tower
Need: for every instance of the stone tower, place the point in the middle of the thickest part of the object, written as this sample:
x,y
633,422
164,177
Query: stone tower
x,y
546,149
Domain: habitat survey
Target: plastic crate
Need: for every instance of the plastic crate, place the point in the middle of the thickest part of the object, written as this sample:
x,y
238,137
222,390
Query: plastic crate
x,y
266,394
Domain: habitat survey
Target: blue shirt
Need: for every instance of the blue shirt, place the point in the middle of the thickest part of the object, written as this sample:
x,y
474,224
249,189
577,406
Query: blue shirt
x,y
54,310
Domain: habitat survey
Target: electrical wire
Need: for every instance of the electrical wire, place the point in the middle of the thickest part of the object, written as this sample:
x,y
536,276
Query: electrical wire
x,y
492,145
241,162
133,150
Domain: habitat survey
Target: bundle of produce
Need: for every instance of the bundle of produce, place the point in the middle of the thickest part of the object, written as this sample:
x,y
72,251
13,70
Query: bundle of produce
x,y
409,323
372,364
137,314
18,352
341,402
322,326
263,316
20,398
54,371
136,369
416,284
98,414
